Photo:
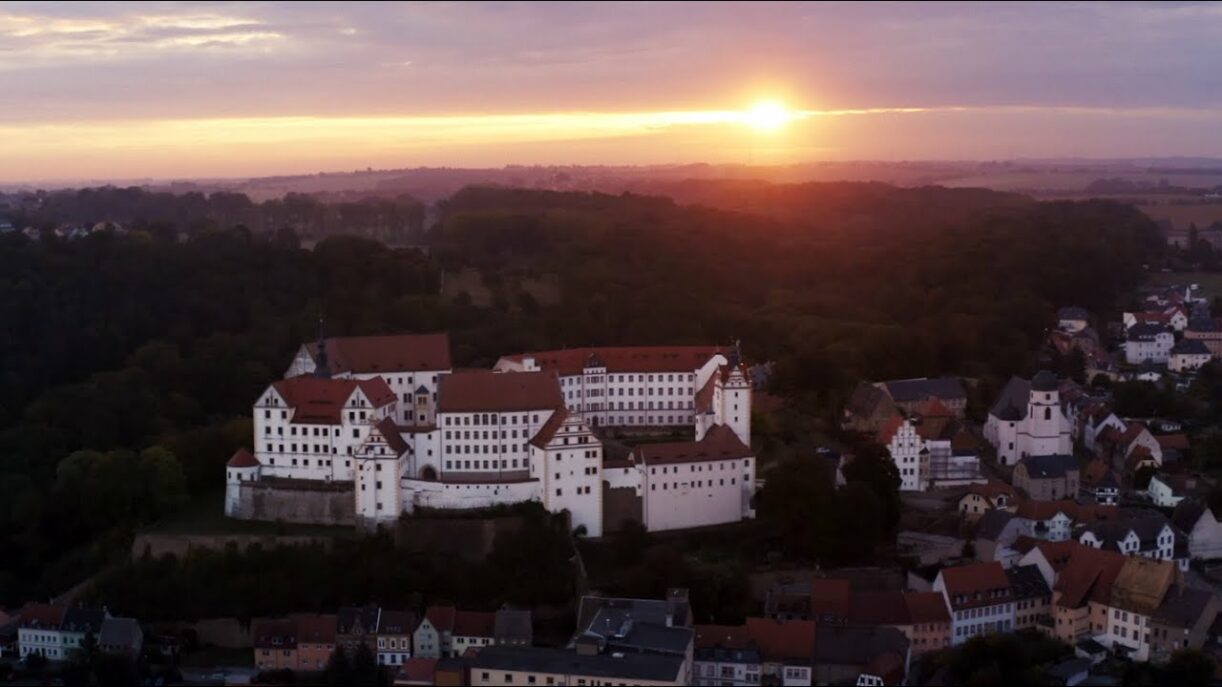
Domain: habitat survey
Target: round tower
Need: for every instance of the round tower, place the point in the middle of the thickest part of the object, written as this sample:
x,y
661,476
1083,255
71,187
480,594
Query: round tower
x,y
242,468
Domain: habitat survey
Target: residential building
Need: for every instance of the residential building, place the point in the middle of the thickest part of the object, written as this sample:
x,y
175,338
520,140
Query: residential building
x,y
39,631
1055,520
395,630
472,629
1136,596
921,616
1143,533
1189,355
77,624
315,640
431,638
357,625
520,665
787,649
978,499
1165,491
868,409
1100,483
275,643
844,654
979,599
121,636
513,627
1032,598
417,671
724,655
1027,420
1047,477
1145,342
909,394
1201,526
1182,621
904,446
1207,331
1072,319
996,533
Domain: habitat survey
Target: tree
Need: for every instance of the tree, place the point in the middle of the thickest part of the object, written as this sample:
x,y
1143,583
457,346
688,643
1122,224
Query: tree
x,y
1190,667
338,669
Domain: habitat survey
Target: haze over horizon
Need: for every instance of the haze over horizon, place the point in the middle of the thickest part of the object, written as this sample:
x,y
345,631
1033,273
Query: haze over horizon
x,y
191,90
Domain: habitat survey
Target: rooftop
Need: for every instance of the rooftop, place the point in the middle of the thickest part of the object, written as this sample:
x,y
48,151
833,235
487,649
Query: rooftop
x,y
390,353
572,361
321,401
719,443
908,390
1049,466
485,391
616,666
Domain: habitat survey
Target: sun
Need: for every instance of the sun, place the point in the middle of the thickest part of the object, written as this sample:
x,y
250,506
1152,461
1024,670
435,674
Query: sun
x,y
767,115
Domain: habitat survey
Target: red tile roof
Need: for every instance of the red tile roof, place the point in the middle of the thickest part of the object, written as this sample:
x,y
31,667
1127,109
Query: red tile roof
x,y
1088,576
829,597
992,489
704,397
977,584
441,617
321,401
933,407
879,608
315,628
418,670
722,636
572,361
888,429
1057,553
274,634
390,353
927,607
42,615
719,443
242,459
780,640
467,392
474,624
545,434
390,432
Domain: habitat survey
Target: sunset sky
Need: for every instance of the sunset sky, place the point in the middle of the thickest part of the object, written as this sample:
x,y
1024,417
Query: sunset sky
x,y
170,90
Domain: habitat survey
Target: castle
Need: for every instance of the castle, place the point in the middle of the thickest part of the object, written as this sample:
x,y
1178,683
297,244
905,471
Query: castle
x,y
363,429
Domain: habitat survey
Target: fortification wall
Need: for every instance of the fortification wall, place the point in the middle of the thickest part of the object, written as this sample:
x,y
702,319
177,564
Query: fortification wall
x,y
273,501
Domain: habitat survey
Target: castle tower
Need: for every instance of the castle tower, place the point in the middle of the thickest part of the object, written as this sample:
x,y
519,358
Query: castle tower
x,y
242,468
736,396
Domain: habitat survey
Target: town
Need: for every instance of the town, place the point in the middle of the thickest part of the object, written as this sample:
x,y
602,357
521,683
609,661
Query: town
x,y
1067,520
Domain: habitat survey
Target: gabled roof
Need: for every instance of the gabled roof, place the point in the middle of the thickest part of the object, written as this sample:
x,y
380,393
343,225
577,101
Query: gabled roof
x,y
321,401
993,523
889,427
1088,575
397,622
1027,582
1190,347
485,391
1044,380
1187,513
722,636
719,443
829,598
781,640
880,608
278,633
646,359
316,628
1184,606
390,432
933,407
1146,332
389,353
992,489
548,431
1049,467
242,459
866,399
976,584
441,617
927,607
1011,404
1142,584
1098,474
46,616
474,624
909,390
1146,524
350,616
513,624
857,646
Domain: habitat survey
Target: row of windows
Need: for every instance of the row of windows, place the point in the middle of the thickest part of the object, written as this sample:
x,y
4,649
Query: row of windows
x,y
484,465
621,378
468,449
697,467
633,405
580,490
977,628
970,613
632,391
488,419
696,484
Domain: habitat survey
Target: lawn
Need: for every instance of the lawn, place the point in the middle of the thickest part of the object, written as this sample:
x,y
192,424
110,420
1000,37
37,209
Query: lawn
x,y
1210,282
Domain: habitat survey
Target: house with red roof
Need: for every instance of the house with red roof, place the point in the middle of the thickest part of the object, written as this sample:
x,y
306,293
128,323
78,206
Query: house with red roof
x,y
787,648
979,598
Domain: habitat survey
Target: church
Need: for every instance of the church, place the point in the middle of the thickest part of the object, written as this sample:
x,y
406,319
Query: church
x,y
1027,420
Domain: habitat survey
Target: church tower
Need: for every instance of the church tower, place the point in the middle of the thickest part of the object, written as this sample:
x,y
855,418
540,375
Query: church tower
x,y
1046,425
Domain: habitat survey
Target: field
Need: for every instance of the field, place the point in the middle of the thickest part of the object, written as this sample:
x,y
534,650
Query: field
x,y
1210,282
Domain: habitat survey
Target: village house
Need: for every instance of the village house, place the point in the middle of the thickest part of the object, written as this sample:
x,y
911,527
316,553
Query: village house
x,y
1207,331
1099,482
871,406
1072,319
275,642
1148,343
431,638
1143,533
315,640
513,627
1135,598
1201,526
1032,598
921,616
1167,490
39,631
1047,477
787,649
977,499
996,534
1027,420
846,655
521,665
1055,520
395,630
1189,355
725,655
979,599
472,629
1182,621
357,625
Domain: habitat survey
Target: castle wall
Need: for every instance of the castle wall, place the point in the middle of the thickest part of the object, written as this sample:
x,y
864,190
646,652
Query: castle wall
x,y
420,493
266,500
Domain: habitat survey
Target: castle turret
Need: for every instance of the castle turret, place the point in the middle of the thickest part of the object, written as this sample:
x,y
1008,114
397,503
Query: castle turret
x,y
241,469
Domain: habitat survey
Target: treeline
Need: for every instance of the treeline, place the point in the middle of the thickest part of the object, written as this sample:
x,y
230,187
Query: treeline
x,y
122,343
395,219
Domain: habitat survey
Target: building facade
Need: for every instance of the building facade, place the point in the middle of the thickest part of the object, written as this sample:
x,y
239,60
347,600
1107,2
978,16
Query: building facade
x,y
1027,420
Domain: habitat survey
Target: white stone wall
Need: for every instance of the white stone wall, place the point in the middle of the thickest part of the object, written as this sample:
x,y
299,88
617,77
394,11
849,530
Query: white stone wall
x,y
462,496
1157,351
1128,629
905,449
569,471
682,495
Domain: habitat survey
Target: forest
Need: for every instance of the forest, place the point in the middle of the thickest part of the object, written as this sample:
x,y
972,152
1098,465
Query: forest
x,y
130,361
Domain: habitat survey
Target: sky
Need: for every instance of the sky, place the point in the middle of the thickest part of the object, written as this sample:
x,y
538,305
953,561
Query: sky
x,y
215,89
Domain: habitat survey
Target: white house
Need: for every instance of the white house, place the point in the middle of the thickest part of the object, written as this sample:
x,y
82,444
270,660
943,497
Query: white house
x,y
1027,420
1148,343
1147,534
1072,319
1188,355
1162,493
904,445
38,631
979,599
1202,527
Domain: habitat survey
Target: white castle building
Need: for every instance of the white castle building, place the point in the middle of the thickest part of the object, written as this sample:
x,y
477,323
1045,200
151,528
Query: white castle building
x,y
363,429
1027,420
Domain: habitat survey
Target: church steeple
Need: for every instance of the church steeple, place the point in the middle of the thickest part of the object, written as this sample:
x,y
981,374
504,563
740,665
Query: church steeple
x,y
322,369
